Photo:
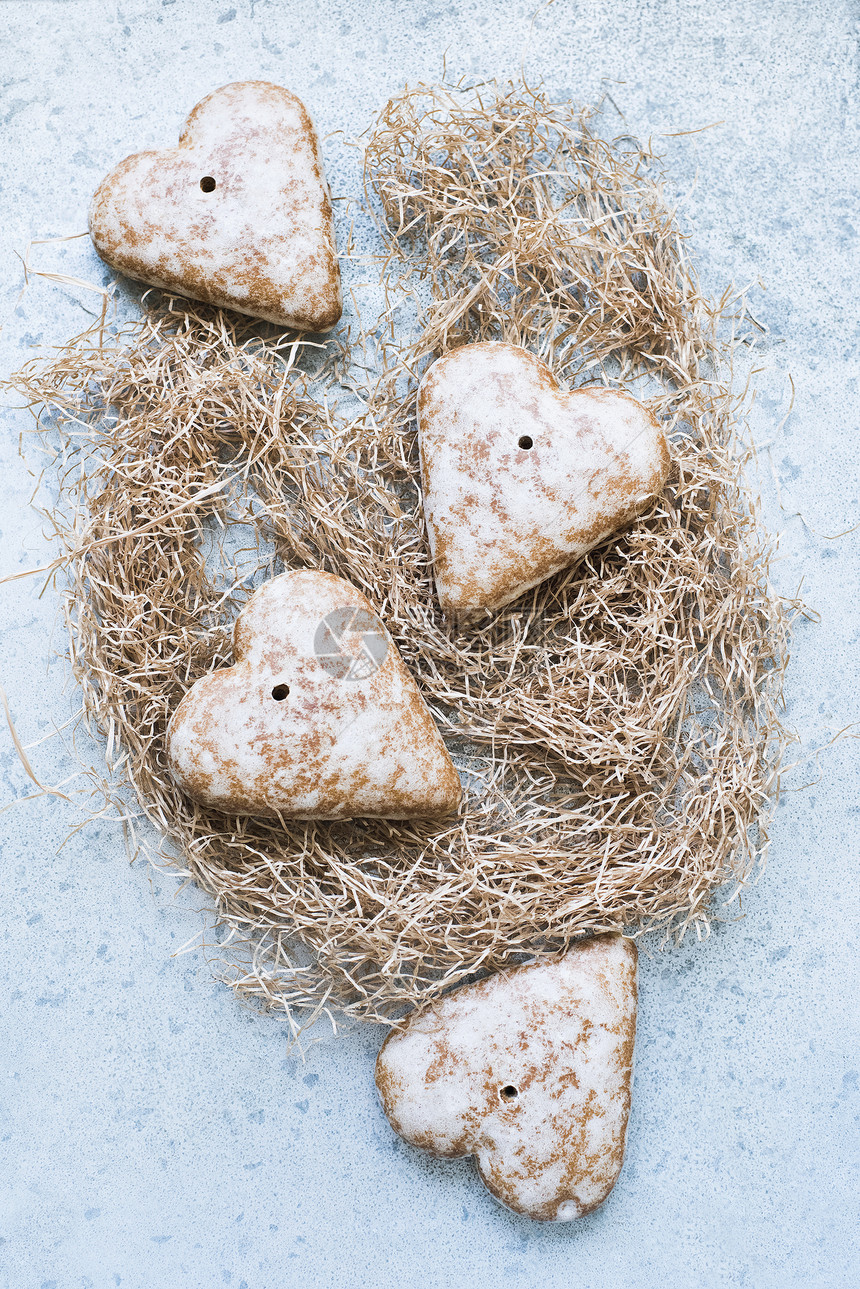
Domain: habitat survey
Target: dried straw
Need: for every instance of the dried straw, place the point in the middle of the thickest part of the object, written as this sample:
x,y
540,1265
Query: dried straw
x,y
617,728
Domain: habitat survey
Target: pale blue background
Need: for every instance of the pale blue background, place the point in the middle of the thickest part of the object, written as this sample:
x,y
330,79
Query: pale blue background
x,y
154,1134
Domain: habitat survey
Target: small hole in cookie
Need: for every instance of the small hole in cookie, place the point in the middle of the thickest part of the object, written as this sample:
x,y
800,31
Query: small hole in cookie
x,y
508,1092
207,183
280,692
527,441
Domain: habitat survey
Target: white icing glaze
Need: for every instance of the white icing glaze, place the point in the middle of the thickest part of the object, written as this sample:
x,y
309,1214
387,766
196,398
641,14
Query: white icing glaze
x,y
335,747
560,1033
501,518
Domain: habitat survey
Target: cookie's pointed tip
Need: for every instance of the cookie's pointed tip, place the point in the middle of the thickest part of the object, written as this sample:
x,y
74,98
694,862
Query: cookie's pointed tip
x,y
445,796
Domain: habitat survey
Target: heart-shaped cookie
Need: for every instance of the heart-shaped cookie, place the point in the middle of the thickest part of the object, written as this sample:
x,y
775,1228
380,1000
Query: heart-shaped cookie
x,y
317,719
522,478
530,1071
238,215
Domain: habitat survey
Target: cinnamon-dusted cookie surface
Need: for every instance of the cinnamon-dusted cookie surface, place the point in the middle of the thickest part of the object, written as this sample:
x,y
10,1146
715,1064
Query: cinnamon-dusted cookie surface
x,y
317,719
238,215
520,477
530,1071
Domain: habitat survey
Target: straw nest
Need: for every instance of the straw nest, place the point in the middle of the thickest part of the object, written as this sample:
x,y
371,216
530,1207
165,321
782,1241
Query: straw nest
x,y
617,729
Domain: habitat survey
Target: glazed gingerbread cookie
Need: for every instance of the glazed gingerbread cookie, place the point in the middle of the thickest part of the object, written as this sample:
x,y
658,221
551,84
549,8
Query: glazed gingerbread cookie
x,y
522,478
238,215
530,1071
317,719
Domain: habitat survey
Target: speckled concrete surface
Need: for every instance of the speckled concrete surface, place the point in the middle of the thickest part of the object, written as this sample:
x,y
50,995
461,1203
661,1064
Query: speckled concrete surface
x,y
156,1136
